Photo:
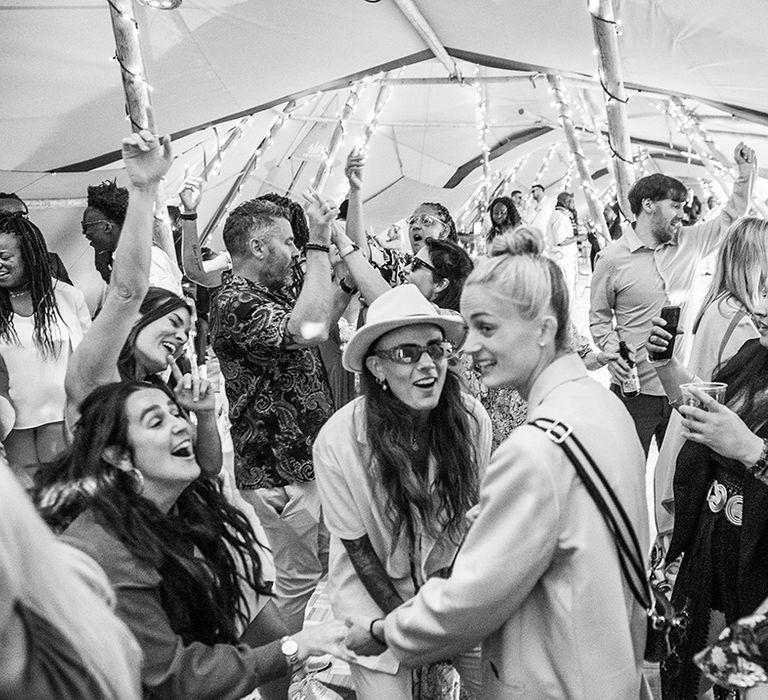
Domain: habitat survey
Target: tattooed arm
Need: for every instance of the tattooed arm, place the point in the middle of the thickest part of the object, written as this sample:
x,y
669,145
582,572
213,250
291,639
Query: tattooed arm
x,y
371,571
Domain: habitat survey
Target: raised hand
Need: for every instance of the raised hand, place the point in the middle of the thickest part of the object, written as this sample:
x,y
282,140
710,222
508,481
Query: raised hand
x,y
320,215
192,393
354,169
745,158
147,158
191,193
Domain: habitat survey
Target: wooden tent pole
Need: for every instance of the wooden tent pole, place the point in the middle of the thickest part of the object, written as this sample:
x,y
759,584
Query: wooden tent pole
x,y
588,187
604,27
128,55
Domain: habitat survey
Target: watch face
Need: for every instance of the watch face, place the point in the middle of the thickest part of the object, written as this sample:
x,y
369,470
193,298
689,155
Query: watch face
x,y
289,647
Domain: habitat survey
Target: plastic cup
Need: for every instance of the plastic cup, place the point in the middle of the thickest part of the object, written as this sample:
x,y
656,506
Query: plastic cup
x,y
714,389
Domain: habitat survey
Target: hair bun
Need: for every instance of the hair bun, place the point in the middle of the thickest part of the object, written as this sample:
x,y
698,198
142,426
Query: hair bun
x,y
525,240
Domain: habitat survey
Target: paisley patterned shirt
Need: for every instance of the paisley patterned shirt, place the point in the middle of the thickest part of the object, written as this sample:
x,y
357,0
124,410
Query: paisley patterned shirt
x,y
278,398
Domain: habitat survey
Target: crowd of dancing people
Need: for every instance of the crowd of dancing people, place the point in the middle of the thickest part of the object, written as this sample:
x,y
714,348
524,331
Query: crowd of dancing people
x,y
415,431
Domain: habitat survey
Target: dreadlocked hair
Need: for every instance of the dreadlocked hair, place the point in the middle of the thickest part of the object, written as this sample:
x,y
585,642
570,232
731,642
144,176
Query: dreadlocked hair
x,y
448,438
204,549
296,218
445,216
110,200
34,255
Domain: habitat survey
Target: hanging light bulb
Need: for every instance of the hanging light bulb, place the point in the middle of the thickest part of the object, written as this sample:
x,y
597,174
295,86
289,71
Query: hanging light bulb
x,y
161,4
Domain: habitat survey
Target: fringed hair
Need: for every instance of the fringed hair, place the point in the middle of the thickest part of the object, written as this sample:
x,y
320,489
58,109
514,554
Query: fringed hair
x,y
34,255
204,549
448,437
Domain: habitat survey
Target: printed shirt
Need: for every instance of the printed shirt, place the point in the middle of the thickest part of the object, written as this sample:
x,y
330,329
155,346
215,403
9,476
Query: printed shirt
x,y
278,398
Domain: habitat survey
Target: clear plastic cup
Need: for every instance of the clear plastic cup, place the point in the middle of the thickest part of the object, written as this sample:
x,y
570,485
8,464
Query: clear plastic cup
x,y
714,389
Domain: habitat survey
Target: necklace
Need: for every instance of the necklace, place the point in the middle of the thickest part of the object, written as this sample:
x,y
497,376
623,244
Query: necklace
x,y
16,295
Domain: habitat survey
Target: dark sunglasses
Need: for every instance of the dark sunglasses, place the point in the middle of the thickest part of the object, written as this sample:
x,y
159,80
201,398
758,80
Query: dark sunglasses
x,y
410,353
85,225
417,263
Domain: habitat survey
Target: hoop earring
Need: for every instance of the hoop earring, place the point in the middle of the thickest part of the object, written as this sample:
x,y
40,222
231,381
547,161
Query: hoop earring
x,y
137,480
382,382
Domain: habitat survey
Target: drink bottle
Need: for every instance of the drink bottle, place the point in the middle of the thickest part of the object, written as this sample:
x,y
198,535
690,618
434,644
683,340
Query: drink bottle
x,y
631,386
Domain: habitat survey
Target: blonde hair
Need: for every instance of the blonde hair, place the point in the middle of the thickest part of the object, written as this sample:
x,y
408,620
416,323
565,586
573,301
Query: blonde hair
x,y
519,270
43,576
741,270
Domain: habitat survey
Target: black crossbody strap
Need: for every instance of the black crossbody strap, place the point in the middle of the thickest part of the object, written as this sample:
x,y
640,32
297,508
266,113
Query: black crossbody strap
x,y
611,509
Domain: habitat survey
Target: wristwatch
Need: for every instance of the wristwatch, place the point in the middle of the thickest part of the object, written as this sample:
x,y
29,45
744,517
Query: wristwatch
x,y
290,649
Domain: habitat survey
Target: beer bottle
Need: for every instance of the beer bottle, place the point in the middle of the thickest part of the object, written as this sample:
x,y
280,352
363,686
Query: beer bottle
x,y
631,386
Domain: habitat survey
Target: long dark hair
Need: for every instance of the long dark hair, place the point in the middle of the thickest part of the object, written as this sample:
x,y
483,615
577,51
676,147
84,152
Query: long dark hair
x,y
157,303
196,547
453,263
34,254
512,219
447,437
746,374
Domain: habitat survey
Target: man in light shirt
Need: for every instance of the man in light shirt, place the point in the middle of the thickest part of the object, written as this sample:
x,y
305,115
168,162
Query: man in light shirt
x,y
540,209
653,264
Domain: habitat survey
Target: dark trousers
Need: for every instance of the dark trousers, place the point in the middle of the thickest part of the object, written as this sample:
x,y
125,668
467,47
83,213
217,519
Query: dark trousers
x,y
650,415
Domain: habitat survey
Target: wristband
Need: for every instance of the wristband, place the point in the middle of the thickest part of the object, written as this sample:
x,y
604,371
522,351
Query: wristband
x,y
346,288
189,217
318,246
373,636
348,249
759,467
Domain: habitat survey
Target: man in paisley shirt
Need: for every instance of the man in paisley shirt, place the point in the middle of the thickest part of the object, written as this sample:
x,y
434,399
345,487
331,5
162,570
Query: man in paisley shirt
x,y
265,336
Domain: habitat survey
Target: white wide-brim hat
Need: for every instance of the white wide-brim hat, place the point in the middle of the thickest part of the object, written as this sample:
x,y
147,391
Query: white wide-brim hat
x,y
402,306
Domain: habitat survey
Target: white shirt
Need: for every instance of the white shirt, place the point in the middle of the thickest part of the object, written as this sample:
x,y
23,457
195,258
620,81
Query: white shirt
x,y
163,272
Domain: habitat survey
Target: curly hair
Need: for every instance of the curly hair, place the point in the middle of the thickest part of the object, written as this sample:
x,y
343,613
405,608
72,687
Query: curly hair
x,y
202,592
453,263
255,213
34,255
110,200
447,437
445,216
296,217
512,219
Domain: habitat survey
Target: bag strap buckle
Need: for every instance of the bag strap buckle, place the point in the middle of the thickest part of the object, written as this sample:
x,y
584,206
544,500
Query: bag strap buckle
x,y
557,431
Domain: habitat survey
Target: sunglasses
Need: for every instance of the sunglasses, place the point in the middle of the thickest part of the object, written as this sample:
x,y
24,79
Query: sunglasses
x,y
410,353
418,263
87,224
424,220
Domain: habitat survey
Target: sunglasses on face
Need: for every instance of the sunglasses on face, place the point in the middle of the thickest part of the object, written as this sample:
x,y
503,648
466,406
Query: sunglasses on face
x,y
87,224
423,220
410,353
418,263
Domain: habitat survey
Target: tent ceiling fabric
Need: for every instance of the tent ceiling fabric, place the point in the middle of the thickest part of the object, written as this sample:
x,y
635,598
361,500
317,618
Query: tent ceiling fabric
x,y
212,60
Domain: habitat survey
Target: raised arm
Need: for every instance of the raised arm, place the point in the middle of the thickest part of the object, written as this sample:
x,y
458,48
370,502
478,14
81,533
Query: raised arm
x,y
191,253
355,221
147,158
309,321
364,276
709,235
162,231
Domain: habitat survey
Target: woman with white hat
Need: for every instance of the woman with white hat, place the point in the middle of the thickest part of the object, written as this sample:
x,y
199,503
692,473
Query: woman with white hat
x,y
538,579
397,470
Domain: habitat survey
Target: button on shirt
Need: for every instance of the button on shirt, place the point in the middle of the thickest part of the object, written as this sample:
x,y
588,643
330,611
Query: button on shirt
x,y
278,398
631,283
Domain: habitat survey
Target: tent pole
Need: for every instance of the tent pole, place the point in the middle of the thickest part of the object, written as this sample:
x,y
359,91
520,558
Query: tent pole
x,y
245,173
604,27
595,208
128,55
347,111
425,31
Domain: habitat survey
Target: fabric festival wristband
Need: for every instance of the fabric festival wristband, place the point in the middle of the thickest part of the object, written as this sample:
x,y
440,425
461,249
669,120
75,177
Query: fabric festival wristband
x,y
189,217
347,250
346,288
318,247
